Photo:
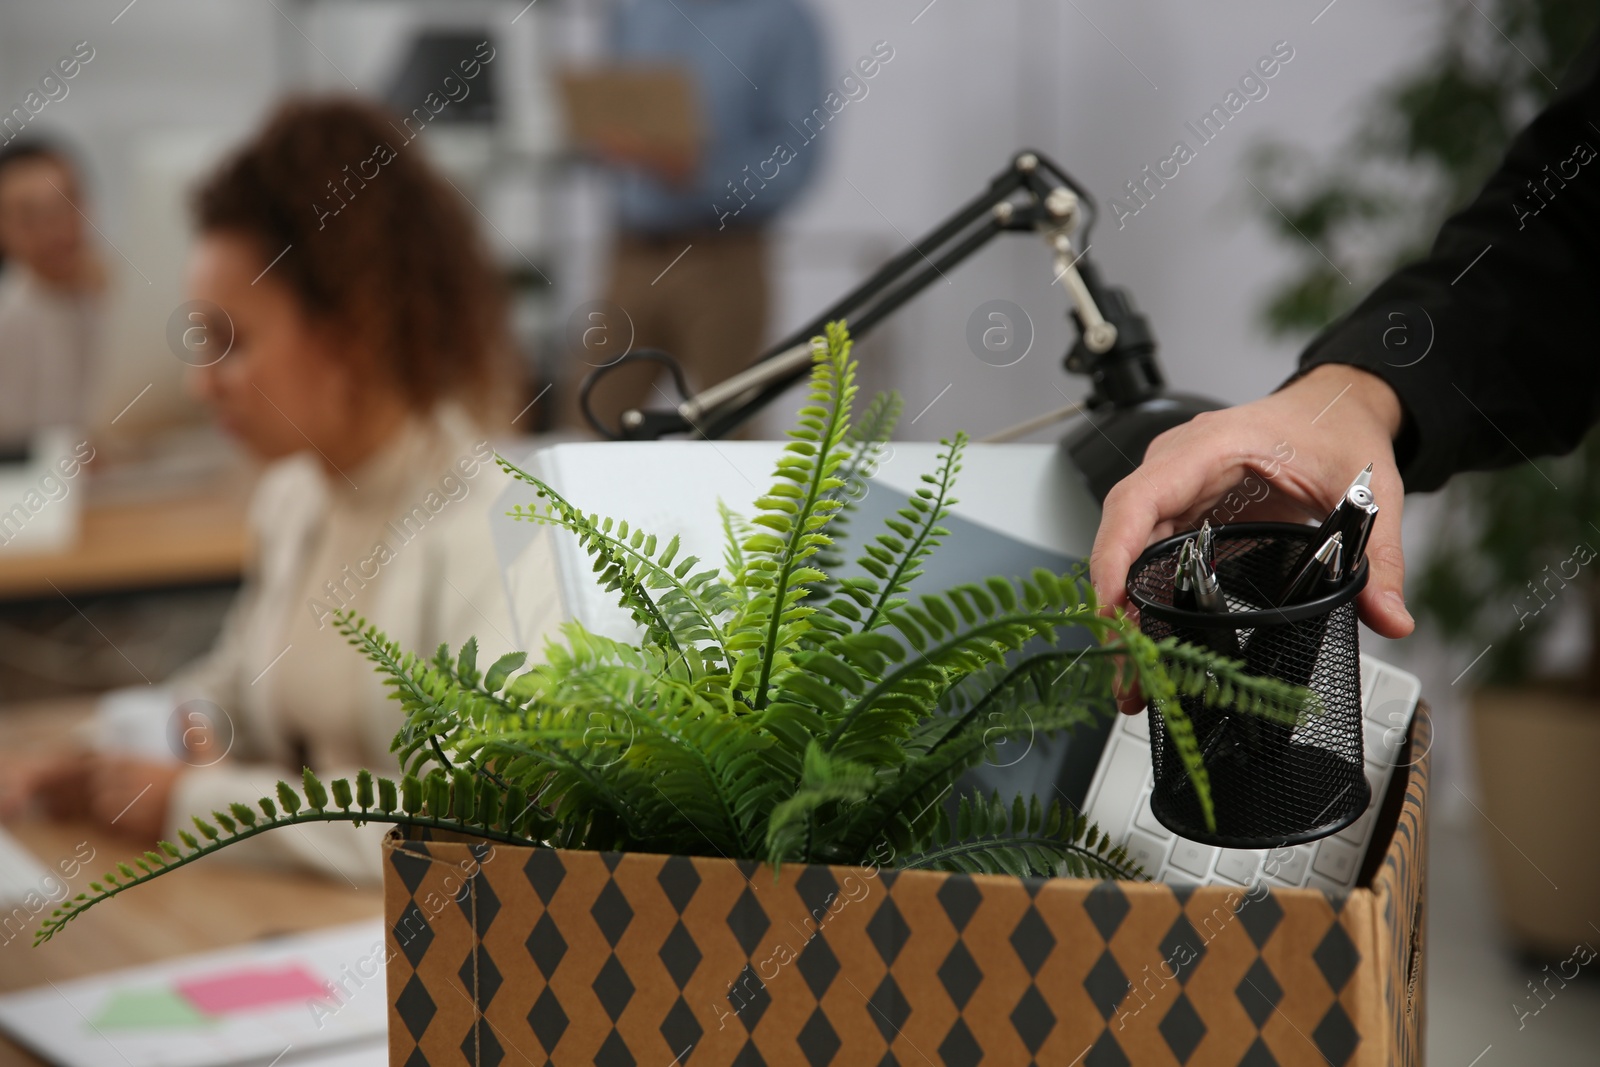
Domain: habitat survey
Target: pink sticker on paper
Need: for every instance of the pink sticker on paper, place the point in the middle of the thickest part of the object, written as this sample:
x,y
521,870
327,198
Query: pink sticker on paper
x,y
251,988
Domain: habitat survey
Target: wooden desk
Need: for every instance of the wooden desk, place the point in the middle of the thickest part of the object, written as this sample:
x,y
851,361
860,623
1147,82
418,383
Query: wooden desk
x,y
210,905
170,540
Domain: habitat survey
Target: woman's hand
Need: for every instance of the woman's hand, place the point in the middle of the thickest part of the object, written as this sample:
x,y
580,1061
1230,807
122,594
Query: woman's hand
x,y
131,795
123,793
1288,456
58,782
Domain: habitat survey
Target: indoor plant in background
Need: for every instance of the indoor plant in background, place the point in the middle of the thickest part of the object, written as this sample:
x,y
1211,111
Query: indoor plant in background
x,y
768,712
1515,550
1516,556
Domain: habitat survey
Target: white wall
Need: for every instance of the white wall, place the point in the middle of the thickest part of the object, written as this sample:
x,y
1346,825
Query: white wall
x,y
971,82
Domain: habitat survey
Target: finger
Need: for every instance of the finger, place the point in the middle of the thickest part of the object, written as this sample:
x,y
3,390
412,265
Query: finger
x,y
1277,506
1382,602
1191,472
1125,688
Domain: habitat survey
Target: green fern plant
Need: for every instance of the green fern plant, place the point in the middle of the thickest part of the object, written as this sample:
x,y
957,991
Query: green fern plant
x,y
767,711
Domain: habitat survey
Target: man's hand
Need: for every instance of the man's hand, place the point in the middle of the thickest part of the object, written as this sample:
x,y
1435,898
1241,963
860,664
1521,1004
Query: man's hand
x,y
1330,424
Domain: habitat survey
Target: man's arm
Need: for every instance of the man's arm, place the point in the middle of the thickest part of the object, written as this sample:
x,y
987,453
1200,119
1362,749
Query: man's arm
x,y
1509,298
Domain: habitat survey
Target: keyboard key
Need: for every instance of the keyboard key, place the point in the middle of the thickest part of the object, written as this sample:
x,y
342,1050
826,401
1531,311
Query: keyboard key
x,y
1382,742
1113,806
1393,697
1146,820
1369,671
1193,857
1139,725
1237,865
1337,860
1147,852
1287,864
1356,832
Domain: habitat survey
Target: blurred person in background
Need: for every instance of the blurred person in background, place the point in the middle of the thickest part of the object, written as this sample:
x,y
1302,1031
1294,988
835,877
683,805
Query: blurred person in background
x,y
361,354
755,69
52,290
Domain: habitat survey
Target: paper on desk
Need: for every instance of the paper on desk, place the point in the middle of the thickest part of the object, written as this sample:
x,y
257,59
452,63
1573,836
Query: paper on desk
x,y
319,993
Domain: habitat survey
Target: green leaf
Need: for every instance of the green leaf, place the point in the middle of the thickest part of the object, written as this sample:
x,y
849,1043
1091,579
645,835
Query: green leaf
x,y
316,795
497,674
467,661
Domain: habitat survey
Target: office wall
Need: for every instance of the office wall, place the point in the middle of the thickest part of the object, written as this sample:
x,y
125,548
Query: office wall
x,y
1104,88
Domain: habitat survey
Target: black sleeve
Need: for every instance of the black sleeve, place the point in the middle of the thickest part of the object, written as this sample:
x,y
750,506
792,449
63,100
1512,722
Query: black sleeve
x,y
1506,307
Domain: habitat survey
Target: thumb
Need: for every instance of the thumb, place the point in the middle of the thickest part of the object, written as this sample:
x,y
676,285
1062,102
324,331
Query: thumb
x,y
1382,602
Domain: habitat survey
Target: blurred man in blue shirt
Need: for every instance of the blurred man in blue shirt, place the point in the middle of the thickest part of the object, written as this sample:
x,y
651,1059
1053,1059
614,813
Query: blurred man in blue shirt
x,y
689,267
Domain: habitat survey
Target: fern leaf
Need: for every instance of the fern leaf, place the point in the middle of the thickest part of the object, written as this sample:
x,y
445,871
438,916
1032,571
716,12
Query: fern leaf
x,y
993,838
774,570
903,558
153,865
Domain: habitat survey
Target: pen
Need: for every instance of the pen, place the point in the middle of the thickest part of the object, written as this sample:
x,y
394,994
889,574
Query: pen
x,y
1353,517
1325,564
1331,523
1333,570
1359,514
1182,584
1208,593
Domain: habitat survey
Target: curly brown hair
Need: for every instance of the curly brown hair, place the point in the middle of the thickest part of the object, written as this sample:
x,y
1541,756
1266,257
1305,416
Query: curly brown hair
x,y
376,241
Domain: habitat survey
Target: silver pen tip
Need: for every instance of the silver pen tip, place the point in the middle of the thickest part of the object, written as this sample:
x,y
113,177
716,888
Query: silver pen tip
x,y
1180,571
1334,564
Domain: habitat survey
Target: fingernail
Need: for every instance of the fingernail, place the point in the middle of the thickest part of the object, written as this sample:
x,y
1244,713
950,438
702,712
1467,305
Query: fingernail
x,y
1399,605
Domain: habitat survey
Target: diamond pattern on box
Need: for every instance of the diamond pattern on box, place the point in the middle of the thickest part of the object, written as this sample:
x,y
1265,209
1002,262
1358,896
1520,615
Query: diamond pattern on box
x,y
1182,1028
507,955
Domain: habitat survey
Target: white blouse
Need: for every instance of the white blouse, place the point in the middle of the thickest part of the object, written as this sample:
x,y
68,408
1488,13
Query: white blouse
x,y
405,541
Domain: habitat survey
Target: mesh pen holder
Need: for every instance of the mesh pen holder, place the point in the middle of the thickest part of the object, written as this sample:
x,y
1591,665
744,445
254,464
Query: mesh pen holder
x,y
1272,784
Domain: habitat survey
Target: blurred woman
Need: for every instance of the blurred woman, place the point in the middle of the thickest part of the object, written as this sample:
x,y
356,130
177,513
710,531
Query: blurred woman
x,y
349,331
51,291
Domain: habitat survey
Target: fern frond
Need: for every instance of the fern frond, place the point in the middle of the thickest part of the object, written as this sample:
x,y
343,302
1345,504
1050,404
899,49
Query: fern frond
x,y
894,558
439,698
691,604
1039,699
616,731
735,530
824,781
995,618
1023,839
792,515
868,440
506,818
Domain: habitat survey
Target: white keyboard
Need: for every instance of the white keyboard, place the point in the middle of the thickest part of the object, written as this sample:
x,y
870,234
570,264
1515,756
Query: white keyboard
x,y
21,874
1119,803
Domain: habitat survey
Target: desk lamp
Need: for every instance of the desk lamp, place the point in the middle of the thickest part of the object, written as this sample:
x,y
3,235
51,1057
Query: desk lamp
x,y
1128,404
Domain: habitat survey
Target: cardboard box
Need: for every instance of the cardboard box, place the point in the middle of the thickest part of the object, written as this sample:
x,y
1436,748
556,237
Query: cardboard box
x,y
512,955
